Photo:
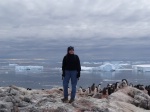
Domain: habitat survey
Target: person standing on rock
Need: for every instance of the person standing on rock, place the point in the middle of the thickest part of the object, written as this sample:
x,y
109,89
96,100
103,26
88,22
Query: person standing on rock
x,y
71,70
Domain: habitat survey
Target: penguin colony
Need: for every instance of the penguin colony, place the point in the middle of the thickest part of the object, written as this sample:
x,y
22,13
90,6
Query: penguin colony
x,y
98,92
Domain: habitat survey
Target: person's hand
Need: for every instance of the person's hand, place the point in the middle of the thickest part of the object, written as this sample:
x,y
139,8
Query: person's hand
x,y
78,75
63,75
62,78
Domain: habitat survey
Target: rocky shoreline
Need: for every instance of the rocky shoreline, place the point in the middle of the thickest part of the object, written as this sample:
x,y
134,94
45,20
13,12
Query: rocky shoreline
x,y
18,99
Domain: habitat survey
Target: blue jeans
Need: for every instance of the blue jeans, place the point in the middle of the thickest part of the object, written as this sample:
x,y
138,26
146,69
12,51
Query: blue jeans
x,y
73,76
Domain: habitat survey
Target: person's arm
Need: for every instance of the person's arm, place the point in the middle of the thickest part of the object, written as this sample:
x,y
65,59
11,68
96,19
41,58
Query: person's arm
x,y
78,67
63,67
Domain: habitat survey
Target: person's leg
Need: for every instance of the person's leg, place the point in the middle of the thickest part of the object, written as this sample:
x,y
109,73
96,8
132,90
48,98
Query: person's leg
x,y
73,83
65,83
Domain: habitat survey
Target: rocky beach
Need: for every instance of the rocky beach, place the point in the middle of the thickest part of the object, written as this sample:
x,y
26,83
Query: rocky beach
x,y
18,99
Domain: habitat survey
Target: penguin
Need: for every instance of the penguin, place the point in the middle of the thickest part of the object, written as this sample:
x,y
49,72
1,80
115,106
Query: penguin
x,y
99,87
131,85
139,86
81,91
96,90
96,93
29,89
109,85
93,87
69,90
88,91
111,89
104,93
148,89
124,83
60,89
142,88
117,86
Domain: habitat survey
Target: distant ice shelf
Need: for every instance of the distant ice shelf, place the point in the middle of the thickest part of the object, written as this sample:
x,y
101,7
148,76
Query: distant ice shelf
x,y
142,68
28,68
13,65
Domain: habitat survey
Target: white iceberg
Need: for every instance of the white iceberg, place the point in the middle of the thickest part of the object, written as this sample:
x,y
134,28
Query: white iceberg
x,y
84,68
86,63
28,68
142,68
13,65
112,67
107,67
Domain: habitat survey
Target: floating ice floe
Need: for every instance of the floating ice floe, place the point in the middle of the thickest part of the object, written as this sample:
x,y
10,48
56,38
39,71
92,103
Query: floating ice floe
x,y
92,63
28,68
86,63
84,68
57,68
13,65
142,68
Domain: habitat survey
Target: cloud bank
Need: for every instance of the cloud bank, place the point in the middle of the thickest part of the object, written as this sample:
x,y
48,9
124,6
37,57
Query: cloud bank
x,y
74,18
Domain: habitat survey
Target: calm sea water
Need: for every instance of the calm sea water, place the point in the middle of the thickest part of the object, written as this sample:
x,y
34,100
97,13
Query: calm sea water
x,y
50,76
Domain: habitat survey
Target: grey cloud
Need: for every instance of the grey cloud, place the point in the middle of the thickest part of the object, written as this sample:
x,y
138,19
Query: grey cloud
x,y
74,18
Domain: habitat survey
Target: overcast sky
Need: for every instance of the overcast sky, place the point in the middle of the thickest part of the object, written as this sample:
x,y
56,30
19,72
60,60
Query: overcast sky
x,y
74,18
125,21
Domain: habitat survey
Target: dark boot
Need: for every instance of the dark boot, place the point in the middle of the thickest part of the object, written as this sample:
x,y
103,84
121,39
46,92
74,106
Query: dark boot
x,y
65,100
71,100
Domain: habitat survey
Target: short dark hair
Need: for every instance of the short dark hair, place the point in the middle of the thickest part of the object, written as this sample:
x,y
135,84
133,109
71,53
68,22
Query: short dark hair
x,y
70,48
